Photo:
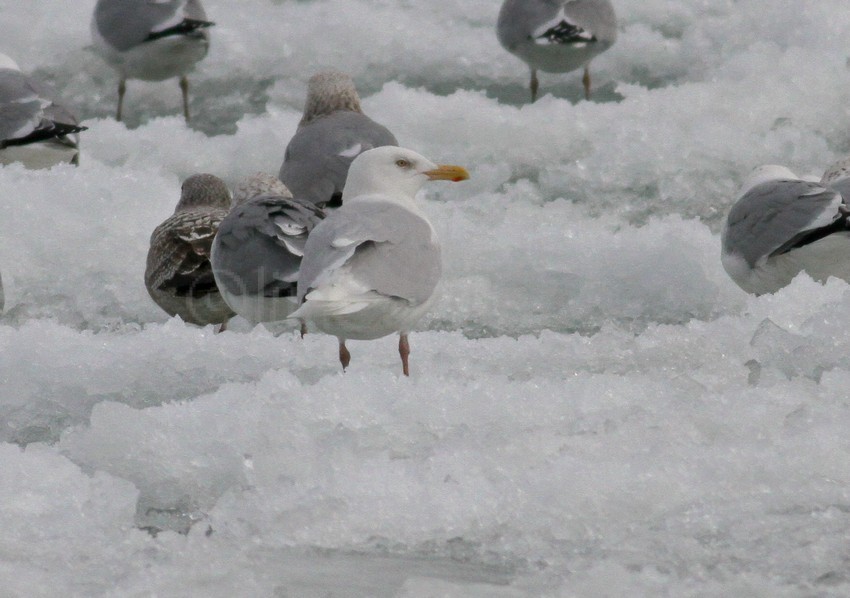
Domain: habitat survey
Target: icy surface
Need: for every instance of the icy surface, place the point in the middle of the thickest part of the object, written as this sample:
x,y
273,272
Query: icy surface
x,y
595,409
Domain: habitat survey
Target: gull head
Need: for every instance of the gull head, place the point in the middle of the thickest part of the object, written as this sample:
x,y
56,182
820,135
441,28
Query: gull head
x,y
203,190
837,172
395,171
764,174
259,183
328,92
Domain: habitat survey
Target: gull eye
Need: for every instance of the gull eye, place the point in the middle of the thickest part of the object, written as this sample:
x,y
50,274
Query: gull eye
x,y
402,163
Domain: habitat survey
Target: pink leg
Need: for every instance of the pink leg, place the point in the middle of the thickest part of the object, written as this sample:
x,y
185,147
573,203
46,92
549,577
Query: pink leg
x,y
586,81
404,352
303,328
184,88
223,326
122,89
533,85
344,355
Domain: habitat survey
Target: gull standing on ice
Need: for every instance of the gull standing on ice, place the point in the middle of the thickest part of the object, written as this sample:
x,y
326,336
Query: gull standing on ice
x,y
332,132
781,225
557,36
178,275
258,248
151,40
370,268
33,129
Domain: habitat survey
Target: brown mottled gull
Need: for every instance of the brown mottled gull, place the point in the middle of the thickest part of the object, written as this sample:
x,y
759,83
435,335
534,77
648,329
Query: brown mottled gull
x,y
178,275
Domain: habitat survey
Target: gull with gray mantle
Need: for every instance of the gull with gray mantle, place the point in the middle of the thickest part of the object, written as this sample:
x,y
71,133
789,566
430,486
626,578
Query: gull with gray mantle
x,y
371,267
332,132
178,275
782,225
34,130
151,40
258,248
557,36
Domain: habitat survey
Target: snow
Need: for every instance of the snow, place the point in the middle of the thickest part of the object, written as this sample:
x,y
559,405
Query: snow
x,y
594,409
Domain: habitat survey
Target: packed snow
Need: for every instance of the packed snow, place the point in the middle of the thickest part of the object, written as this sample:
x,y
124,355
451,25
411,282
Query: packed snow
x,y
594,407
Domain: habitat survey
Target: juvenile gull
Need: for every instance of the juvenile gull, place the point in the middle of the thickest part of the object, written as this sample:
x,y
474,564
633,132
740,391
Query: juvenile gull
x,y
259,183
557,36
781,225
370,268
33,129
257,251
152,40
178,275
332,132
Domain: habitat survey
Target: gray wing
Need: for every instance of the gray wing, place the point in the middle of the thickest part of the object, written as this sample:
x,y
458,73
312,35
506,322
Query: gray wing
x,y
259,245
127,23
179,257
519,18
26,116
776,216
318,156
21,107
386,248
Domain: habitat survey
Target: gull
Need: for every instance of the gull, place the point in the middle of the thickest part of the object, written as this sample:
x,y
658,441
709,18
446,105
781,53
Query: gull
x,y
151,40
178,275
557,36
781,225
332,132
371,267
258,248
33,129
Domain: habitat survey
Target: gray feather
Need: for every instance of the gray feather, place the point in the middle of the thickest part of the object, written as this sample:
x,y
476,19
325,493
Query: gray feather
x,y
772,214
260,243
313,168
380,244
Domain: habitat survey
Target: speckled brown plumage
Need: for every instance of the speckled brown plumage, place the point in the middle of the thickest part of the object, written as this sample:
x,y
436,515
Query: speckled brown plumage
x,y
329,92
178,275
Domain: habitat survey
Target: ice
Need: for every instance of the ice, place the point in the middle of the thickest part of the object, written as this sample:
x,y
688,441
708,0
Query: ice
x,y
594,408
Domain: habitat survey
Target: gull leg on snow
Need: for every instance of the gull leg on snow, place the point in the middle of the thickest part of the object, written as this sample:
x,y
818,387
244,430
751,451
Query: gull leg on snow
x,y
344,355
534,85
122,89
184,89
404,352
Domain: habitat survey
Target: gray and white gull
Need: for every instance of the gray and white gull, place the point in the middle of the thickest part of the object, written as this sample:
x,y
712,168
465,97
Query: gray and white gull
x,y
257,251
34,130
371,267
557,36
781,225
151,40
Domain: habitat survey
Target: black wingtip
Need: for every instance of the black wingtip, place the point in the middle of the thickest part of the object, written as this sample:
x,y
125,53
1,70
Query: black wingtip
x,y
184,27
48,130
566,33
